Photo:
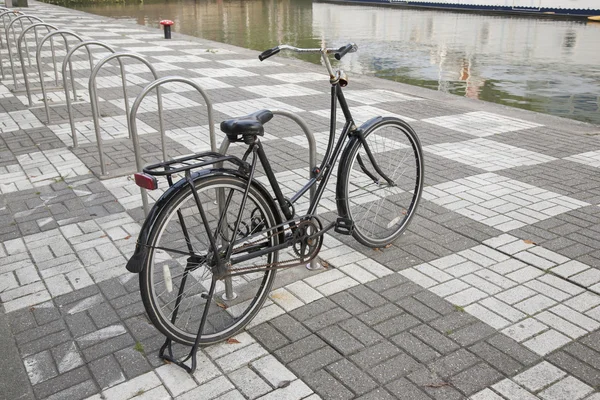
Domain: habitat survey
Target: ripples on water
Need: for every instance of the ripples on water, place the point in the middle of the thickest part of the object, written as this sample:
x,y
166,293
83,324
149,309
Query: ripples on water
x,y
545,65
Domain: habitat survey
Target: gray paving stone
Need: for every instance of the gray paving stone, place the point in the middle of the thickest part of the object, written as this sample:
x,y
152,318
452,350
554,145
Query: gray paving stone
x,y
377,394
453,363
360,331
327,386
40,332
77,392
434,385
403,389
103,315
513,349
44,343
434,339
269,337
106,371
475,379
340,340
472,333
352,376
396,325
397,293
453,321
380,314
349,303
132,362
108,346
381,285
80,324
313,309
330,317
61,382
394,368
291,328
373,355
575,367
415,347
45,315
496,358
300,348
418,309
312,362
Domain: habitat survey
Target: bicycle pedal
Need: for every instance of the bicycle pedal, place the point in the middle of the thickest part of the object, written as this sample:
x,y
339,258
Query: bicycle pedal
x,y
345,226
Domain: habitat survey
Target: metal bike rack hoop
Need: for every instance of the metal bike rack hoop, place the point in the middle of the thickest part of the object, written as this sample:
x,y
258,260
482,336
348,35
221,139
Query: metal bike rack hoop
x,y
133,124
20,18
38,60
3,14
94,98
67,59
312,156
48,27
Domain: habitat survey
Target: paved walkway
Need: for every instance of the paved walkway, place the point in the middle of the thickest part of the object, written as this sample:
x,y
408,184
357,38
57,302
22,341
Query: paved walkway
x,y
493,293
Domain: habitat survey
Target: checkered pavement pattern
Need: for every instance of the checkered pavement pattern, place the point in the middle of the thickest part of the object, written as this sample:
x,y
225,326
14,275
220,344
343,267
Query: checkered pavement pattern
x,y
492,293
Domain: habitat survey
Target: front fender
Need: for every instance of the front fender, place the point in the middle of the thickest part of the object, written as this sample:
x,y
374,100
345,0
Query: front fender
x,y
137,260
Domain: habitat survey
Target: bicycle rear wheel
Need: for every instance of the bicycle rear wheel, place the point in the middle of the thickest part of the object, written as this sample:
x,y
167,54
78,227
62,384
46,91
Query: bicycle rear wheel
x,y
381,212
168,272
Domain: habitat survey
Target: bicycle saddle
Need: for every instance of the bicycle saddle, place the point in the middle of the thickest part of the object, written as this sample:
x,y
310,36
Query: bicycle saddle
x,y
249,125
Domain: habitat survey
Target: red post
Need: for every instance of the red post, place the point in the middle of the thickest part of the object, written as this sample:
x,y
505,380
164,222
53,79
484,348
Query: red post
x,y
167,26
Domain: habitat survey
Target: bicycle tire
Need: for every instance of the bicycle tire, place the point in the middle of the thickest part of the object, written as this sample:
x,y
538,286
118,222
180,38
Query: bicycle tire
x,y
226,317
397,150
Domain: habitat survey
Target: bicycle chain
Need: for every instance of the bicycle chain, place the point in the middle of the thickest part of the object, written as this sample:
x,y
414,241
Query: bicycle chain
x,y
279,264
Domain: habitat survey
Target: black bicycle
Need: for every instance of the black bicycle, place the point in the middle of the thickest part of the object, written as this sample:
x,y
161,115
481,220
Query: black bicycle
x,y
209,249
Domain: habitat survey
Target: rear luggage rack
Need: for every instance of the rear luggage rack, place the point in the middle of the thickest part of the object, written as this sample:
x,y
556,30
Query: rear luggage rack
x,y
193,161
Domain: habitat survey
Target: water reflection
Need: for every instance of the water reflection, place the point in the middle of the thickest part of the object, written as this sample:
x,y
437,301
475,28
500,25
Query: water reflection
x,y
551,66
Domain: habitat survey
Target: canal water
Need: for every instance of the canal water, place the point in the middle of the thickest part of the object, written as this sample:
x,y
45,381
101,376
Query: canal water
x,y
546,65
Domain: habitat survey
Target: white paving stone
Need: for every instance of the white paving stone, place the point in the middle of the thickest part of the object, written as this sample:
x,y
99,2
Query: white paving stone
x,y
524,329
176,379
223,72
512,391
539,376
591,158
245,107
272,370
361,114
481,123
487,155
569,388
300,77
285,90
471,197
547,342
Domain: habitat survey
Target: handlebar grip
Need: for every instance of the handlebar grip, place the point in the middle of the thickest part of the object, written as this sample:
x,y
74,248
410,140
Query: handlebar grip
x,y
268,53
342,51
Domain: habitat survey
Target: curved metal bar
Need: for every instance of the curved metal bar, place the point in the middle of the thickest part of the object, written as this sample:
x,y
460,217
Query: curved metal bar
x,y
19,18
9,13
133,123
67,59
38,60
19,50
94,98
2,15
312,161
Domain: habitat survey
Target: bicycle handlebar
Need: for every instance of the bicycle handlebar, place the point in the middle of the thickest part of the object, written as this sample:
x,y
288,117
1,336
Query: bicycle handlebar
x,y
342,51
339,53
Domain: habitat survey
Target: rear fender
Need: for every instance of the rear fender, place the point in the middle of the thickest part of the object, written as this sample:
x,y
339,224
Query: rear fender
x,y
137,261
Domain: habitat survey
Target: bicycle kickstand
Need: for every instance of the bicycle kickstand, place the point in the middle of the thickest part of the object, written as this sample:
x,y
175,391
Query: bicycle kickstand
x,y
167,346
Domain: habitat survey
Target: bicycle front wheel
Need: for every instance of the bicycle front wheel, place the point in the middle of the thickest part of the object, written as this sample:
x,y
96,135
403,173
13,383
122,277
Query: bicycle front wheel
x,y
175,286
381,211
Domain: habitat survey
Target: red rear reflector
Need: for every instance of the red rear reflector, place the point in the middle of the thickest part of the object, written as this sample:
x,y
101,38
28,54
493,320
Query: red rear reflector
x,y
145,181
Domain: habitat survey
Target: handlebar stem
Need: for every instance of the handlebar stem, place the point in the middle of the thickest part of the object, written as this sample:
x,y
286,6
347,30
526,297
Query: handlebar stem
x,y
325,59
